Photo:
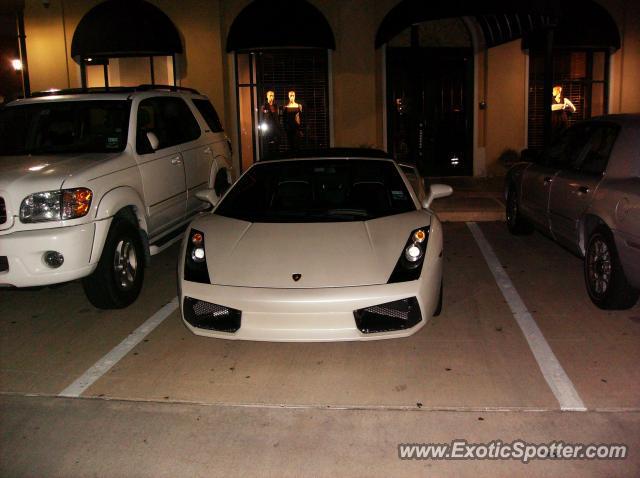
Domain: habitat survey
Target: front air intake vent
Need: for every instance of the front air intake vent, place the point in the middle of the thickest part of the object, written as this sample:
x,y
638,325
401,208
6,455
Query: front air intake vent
x,y
205,315
3,211
397,315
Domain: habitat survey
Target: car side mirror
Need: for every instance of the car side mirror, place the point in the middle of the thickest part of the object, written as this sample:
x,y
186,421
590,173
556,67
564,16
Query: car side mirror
x,y
153,140
208,195
437,191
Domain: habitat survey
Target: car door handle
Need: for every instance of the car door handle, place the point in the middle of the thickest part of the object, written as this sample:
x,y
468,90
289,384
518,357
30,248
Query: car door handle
x,y
177,160
207,150
583,190
548,180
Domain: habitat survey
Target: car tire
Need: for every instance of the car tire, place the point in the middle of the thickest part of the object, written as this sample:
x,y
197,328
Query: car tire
x,y
516,222
604,278
438,310
117,281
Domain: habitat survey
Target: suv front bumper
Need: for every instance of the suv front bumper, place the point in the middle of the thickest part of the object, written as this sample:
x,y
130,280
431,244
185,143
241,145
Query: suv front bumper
x,y
25,251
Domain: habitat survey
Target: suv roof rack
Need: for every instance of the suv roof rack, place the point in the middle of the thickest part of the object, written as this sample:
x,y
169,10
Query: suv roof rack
x,y
112,89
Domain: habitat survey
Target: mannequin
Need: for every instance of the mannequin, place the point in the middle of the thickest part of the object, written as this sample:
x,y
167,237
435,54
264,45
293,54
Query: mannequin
x,y
270,126
293,121
560,107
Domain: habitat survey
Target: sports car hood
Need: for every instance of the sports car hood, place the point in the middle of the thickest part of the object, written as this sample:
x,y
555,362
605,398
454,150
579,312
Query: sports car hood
x,y
339,254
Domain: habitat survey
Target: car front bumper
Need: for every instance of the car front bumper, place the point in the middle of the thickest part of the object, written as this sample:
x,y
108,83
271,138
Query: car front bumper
x,y
24,252
313,315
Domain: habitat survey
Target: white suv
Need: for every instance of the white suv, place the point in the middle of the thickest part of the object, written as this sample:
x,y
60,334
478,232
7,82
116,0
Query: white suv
x,y
93,183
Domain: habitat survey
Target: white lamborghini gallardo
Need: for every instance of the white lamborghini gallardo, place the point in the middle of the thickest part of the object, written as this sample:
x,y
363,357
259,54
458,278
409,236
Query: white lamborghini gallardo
x,y
315,249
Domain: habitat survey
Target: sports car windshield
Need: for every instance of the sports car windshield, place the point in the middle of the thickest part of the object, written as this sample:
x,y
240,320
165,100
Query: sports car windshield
x,y
318,191
97,126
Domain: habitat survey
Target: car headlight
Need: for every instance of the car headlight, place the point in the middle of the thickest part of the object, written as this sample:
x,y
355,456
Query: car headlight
x,y
195,261
56,205
409,265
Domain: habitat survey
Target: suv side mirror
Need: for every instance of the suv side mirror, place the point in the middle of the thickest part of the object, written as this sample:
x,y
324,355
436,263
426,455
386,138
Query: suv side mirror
x,y
437,191
153,140
208,195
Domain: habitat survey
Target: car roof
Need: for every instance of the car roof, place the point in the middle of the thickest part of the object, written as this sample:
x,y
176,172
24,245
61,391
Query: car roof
x,y
105,93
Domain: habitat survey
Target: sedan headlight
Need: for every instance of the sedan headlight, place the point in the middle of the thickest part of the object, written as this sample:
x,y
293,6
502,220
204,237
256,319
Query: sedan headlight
x,y
56,205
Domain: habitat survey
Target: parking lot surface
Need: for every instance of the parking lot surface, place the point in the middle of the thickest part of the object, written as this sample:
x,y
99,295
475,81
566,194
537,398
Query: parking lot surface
x,y
176,404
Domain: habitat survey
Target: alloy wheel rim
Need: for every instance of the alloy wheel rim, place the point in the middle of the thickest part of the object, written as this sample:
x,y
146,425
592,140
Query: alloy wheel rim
x,y
599,266
125,264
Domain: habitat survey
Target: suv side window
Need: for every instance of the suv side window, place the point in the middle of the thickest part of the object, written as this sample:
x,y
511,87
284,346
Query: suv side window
x,y
601,139
169,118
209,114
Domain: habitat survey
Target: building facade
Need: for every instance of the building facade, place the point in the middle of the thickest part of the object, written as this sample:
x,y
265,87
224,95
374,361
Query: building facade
x,y
458,89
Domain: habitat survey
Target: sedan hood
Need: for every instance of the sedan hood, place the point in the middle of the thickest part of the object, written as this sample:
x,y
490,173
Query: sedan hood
x,y
338,254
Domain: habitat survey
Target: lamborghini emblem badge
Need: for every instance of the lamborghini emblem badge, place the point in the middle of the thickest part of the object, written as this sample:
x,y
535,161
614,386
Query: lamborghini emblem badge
x,y
296,277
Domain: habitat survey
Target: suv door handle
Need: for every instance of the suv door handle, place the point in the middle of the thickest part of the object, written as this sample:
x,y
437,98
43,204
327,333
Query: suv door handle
x,y
548,180
177,160
583,190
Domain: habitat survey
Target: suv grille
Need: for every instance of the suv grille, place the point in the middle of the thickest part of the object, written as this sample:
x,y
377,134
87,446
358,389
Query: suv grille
x,y
3,212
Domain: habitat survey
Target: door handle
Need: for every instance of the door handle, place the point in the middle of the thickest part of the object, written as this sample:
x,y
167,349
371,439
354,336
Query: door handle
x,y
583,190
548,180
177,160
207,150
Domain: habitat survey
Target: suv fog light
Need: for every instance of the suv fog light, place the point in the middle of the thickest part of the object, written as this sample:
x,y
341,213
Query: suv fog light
x,y
53,259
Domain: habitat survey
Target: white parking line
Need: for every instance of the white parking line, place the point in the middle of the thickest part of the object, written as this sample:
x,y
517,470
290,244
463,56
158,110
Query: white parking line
x,y
103,365
553,373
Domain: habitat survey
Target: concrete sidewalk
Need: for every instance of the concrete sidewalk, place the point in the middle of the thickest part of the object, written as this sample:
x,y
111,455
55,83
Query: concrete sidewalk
x,y
473,199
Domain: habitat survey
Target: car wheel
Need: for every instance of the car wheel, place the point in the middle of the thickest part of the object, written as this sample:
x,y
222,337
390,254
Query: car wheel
x,y
605,280
117,280
516,222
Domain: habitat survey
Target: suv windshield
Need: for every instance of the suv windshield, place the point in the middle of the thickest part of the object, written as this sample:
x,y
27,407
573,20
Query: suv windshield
x,y
96,126
318,191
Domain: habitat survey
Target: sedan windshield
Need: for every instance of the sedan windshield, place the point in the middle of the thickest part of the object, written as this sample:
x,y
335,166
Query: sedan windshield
x,y
97,126
318,191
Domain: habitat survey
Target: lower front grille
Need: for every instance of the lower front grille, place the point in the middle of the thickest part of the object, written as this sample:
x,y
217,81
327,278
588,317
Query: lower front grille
x,y
4,264
205,315
3,211
397,315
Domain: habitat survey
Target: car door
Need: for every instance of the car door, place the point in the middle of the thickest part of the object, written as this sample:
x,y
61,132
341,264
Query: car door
x,y
161,165
538,178
575,186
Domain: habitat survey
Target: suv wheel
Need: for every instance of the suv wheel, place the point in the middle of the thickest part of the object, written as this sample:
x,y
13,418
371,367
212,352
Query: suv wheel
x,y
516,223
117,280
605,280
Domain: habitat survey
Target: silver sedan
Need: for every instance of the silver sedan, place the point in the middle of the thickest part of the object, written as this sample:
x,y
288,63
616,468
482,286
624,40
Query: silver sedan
x,y
584,191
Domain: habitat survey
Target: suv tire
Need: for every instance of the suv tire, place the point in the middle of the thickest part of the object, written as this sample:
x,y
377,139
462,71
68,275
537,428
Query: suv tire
x,y
603,275
117,281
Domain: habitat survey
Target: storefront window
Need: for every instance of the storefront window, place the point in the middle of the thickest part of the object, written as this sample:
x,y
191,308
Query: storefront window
x,y
579,90
282,102
129,71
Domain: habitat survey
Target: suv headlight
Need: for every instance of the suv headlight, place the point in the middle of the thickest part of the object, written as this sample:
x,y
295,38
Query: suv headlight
x,y
56,205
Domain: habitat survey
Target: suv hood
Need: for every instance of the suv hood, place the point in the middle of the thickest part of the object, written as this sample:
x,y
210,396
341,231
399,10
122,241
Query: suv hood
x,y
24,175
338,254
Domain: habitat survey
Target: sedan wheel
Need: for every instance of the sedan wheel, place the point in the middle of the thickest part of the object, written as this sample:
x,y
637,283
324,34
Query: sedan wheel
x,y
604,277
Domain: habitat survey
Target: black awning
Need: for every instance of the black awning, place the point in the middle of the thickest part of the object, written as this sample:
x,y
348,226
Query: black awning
x,y
501,20
577,23
581,24
280,23
120,28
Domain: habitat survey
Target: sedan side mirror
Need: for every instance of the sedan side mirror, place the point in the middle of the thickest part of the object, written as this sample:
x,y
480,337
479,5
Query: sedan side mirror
x,y
437,191
208,195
